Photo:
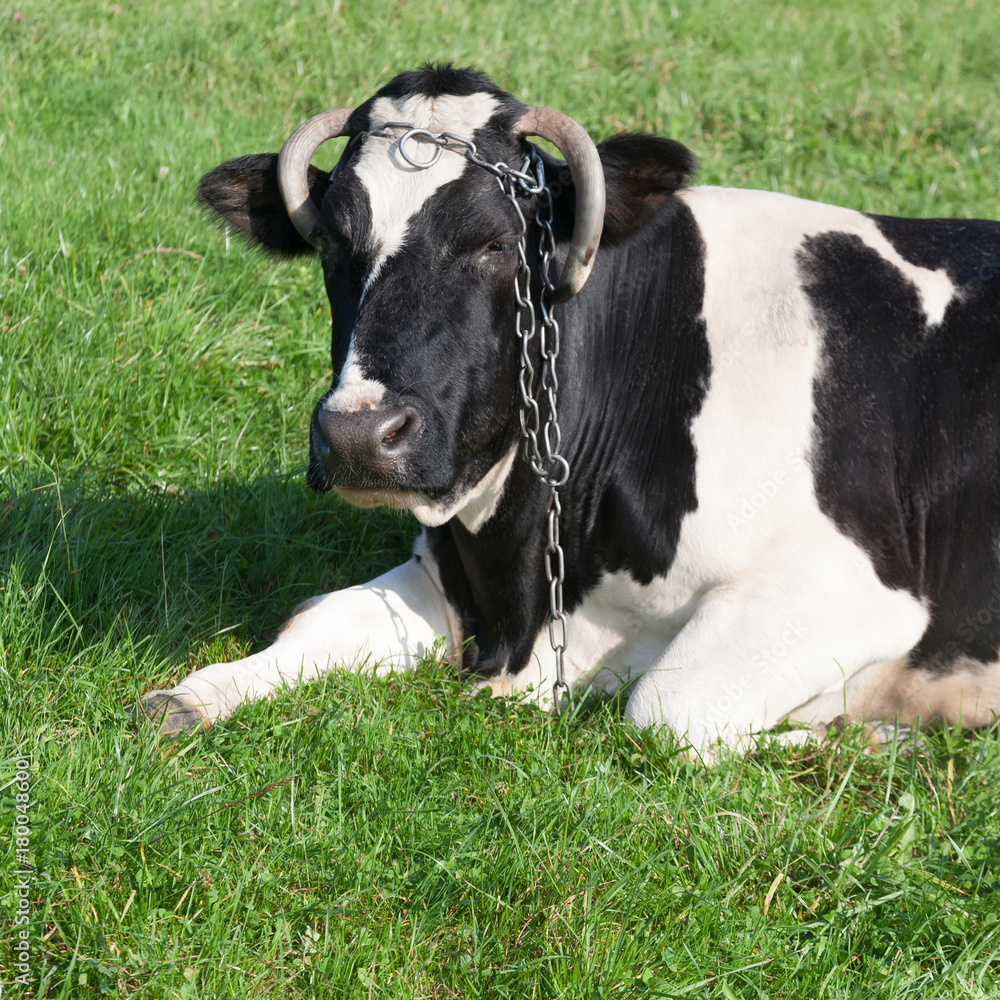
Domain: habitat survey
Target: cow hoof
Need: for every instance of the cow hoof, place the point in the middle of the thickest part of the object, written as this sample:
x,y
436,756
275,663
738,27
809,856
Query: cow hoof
x,y
169,714
792,738
907,739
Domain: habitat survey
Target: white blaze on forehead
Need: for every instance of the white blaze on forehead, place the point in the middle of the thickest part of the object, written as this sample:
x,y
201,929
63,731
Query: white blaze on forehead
x,y
397,191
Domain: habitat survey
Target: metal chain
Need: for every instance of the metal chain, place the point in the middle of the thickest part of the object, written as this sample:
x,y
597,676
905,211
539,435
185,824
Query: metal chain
x,y
552,468
542,442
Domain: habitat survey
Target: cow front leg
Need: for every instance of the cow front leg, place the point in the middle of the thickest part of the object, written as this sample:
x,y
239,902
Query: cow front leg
x,y
751,654
388,624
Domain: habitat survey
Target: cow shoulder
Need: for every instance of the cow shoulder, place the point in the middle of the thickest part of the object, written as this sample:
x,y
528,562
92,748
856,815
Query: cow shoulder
x,y
244,192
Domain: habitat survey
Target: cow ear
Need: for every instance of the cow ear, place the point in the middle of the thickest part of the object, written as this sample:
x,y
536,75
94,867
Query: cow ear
x,y
245,192
641,173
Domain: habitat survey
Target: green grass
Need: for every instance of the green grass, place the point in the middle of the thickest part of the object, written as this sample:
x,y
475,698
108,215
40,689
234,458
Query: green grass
x,y
395,838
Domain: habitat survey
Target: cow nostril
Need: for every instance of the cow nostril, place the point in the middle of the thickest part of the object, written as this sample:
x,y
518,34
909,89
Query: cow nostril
x,y
398,427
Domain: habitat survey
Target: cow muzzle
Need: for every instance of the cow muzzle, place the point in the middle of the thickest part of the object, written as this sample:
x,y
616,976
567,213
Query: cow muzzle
x,y
365,449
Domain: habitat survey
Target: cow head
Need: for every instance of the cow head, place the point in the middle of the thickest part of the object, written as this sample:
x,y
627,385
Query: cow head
x,y
419,266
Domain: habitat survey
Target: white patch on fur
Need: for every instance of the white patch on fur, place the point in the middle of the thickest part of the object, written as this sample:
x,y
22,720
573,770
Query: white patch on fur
x,y
369,498
477,506
354,392
765,221
398,191
935,288
474,507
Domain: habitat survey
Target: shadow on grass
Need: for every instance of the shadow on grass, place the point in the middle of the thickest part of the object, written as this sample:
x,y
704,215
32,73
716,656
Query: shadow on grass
x,y
87,567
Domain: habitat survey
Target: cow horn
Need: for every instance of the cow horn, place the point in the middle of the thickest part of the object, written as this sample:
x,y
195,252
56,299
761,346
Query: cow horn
x,y
293,166
584,162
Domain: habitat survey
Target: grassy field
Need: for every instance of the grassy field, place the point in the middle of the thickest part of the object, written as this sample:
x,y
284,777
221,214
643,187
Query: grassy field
x,y
395,838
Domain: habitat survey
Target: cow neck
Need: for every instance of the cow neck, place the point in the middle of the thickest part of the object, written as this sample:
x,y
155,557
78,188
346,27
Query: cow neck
x,y
637,356
495,576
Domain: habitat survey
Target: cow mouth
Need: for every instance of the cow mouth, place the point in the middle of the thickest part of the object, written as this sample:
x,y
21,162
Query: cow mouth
x,y
381,496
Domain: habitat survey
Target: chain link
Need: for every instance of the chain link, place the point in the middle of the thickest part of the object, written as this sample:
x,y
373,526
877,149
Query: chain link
x,y
542,441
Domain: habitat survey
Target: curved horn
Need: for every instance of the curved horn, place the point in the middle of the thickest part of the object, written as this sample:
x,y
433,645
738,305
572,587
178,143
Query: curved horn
x,y
571,139
293,166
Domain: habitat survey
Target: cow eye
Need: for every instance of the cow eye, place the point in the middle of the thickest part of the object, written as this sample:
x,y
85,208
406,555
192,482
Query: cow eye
x,y
492,254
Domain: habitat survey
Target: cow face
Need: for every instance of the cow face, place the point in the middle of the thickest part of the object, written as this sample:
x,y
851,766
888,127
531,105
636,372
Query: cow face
x,y
419,267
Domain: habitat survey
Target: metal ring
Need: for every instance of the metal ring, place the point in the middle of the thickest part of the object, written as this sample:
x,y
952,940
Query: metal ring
x,y
551,479
420,165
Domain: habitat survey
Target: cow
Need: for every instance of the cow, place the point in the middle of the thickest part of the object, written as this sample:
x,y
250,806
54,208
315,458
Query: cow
x,y
780,421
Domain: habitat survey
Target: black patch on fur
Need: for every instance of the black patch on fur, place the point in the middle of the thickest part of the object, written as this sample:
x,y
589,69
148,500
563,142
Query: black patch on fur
x,y
434,80
907,449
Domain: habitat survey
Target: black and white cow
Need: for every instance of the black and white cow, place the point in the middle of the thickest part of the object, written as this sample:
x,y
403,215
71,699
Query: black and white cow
x,y
782,420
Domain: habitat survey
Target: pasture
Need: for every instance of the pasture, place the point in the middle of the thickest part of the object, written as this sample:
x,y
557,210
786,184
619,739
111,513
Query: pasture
x,y
397,838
